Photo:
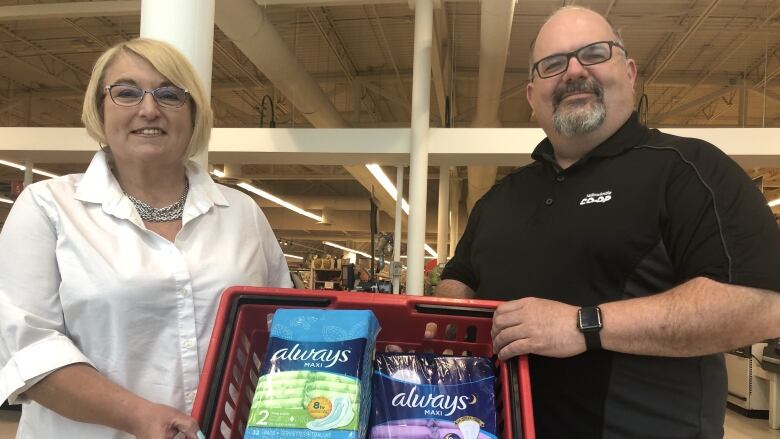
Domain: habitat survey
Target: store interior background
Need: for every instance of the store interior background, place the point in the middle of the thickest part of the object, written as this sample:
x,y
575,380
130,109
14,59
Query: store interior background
x,y
706,64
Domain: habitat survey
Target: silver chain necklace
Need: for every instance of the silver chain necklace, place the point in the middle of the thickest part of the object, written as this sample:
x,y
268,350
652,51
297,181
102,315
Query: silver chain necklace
x,y
172,212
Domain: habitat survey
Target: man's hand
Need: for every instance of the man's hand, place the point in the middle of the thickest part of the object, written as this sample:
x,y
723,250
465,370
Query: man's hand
x,y
536,326
157,421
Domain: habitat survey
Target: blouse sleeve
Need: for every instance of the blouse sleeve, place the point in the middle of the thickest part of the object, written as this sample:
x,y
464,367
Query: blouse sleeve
x,y
33,336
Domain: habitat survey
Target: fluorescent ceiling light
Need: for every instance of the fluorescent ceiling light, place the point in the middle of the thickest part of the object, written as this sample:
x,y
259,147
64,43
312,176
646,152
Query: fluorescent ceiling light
x,y
377,172
272,198
347,249
426,257
6,200
22,168
774,203
279,201
293,256
380,176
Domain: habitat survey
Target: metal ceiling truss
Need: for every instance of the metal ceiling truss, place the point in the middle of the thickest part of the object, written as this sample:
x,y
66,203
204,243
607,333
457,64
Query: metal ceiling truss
x,y
343,57
724,56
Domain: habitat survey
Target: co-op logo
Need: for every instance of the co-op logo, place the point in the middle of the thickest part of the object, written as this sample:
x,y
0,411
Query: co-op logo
x,y
599,197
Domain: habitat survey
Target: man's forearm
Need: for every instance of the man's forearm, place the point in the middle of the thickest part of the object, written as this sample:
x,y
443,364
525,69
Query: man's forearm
x,y
81,393
698,317
453,289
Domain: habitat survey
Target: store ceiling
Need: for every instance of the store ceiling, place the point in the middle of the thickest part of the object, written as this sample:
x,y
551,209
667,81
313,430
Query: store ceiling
x,y
700,62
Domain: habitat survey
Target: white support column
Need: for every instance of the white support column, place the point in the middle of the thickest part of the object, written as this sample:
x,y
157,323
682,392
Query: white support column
x,y
28,173
189,26
418,171
399,188
743,104
454,209
442,230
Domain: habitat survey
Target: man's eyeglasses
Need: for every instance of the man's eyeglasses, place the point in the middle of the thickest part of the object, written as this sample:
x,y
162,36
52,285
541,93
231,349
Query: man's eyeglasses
x,y
592,54
168,96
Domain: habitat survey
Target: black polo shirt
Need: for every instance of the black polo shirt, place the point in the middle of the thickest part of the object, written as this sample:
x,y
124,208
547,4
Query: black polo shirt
x,y
642,212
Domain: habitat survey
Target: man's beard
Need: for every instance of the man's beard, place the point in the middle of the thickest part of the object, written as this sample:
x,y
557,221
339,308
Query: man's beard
x,y
578,118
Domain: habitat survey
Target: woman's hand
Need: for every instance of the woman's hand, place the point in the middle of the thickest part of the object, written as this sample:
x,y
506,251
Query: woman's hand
x,y
157,421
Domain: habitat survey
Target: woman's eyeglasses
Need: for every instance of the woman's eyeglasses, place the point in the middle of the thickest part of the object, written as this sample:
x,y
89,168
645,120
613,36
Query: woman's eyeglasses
x,y
594,53
168,96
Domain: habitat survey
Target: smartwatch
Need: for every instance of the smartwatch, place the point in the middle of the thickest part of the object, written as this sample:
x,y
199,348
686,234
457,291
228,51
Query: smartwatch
x,y
589,323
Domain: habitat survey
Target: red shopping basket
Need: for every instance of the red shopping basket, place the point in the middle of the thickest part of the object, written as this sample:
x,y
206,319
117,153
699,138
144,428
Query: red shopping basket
x,y
240,336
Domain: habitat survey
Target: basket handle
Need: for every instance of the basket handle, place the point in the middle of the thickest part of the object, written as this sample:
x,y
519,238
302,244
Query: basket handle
x,y
451,310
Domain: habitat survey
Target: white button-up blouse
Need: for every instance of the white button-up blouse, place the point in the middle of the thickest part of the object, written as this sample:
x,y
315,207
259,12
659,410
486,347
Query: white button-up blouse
x,y
82,280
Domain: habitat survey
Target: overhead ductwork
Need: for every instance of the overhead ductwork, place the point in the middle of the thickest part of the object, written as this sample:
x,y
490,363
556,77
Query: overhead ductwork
x,y
495,28
245,23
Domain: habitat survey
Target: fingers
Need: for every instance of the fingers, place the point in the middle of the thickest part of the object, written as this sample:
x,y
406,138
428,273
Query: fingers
x,y
188,426
511,313
515,348
509,335
393,348
430,330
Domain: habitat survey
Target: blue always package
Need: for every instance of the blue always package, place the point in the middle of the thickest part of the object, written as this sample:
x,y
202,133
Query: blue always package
x,y
315,378
425,396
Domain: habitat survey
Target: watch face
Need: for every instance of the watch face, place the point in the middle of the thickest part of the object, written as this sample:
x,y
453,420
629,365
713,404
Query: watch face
x,y
590,318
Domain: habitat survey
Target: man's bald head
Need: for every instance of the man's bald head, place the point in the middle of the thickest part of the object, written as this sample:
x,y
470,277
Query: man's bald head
x,y
566,10
587,91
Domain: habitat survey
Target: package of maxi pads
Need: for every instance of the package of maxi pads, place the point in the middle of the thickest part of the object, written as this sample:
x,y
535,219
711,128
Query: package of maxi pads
x,y
426,396
315,379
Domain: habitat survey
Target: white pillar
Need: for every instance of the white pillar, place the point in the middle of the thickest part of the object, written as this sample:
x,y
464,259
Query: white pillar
x,y
188,25
28,174
418,171
399,188
454,209
743,97
442,230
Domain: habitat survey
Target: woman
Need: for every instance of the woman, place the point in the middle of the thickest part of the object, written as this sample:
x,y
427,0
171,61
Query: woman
x,y
109,280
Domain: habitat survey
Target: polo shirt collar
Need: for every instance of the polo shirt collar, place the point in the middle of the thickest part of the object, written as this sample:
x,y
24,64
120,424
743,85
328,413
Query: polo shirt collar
x,y
627,136
98,185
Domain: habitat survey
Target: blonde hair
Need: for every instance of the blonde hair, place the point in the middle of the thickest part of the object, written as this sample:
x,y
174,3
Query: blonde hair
x,y
171,64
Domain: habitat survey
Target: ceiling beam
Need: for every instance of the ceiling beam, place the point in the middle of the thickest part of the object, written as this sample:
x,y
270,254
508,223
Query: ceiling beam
x,y
11,56
74,69
682,41
94,38
10,106
725,55
609,8
379,32
774,97
698,102
50,11
751,147
344,59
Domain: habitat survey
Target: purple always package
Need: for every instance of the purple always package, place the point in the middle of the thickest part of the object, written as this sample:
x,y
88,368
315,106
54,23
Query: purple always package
x,y
426,396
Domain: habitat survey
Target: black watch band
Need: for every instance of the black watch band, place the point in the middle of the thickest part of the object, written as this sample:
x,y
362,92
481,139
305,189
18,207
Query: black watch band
x,y
592,340
589,323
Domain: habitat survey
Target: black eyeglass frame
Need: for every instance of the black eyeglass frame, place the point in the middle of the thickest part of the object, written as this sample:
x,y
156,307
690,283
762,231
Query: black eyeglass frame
x,y
152,92
575,54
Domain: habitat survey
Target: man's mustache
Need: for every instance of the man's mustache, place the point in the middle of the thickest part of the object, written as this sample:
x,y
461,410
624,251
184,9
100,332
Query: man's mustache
x,y
583,85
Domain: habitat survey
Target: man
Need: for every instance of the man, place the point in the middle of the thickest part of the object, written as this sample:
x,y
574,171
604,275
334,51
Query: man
x,y
628,258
